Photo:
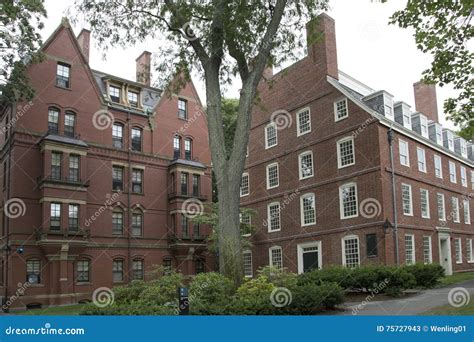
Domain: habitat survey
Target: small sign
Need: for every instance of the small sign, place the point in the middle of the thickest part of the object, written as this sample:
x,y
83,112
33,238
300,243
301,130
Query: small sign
x,y
183,301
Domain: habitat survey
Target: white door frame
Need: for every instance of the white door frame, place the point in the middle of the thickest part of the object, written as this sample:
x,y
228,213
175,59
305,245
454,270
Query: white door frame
x,y
449,263
299,249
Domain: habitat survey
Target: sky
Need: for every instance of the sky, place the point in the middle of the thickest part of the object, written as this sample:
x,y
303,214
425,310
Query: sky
x,y
380,55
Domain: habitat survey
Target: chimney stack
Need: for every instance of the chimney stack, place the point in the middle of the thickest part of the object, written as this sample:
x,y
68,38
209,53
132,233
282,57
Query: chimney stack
x,y
143,68
321,40
425,100
84,41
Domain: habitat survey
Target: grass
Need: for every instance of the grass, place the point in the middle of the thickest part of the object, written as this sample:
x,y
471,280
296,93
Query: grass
x,y
456,278
448,310
67,310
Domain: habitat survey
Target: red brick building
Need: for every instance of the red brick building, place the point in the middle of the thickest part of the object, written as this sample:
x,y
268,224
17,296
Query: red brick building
x,y
319,172
98,174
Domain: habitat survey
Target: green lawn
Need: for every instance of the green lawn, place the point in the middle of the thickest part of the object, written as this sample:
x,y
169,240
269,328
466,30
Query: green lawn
x,y
448,310
68,310
456,278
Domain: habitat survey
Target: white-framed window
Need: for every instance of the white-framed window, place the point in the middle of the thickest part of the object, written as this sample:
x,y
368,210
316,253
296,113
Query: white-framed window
x,y
272,176
407,119
404,153
305,161
350,251
458,250
424,126
303,118
245,185
407,201
348,200
271,135
427,250
467,212
438,166
425,203
247,263
345,152
308,209
245,219
420,153
441,207
340,109
463,176
470,257
276,257
452,172
273,217
409,249
455,207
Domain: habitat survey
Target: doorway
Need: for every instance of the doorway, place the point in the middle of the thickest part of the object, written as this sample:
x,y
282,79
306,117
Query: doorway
x,y
445,253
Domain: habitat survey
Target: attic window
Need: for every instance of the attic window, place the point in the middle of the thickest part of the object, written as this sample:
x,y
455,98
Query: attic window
x,y
182,109
133,98
114,93
62,75
340,109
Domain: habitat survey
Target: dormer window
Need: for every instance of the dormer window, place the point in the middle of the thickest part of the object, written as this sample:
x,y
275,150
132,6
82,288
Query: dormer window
x,y
133,98
182,109
424,126
114,93
62,75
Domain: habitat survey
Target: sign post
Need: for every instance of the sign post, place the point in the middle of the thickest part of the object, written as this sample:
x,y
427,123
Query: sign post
x,y
183,301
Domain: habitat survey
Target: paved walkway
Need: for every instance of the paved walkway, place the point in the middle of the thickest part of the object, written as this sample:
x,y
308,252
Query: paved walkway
x,y
411,305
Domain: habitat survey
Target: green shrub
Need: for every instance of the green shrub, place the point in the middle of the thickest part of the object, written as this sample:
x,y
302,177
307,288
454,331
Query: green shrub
x,y
163,290
394,280
130,293
209,294
253,298
134,309
426,276
279,277
335,274
310,298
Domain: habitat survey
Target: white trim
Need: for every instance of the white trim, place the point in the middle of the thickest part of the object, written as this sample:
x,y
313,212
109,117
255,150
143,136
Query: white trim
x,y
463,179
268,175
341,203
269,222
400,142
302,197
343,246
468,211
396,126
338,143
271,124
426,191
300,252
336,119
447,237
248,182
455,209
298,130
248,251
423,153
273,248
438,196
413,257
450,163
436,157
302,154
470,257
456,242
411,200
430,247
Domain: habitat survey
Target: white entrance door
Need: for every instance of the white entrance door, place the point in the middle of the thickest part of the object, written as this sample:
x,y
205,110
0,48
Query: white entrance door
x,y
445,253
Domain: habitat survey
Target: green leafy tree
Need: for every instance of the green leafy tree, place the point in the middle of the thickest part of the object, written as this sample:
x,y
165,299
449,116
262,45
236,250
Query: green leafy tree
x,y
218,39
20,23
444,29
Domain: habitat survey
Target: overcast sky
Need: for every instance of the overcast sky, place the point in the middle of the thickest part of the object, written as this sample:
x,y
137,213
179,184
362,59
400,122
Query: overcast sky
x,y
380,55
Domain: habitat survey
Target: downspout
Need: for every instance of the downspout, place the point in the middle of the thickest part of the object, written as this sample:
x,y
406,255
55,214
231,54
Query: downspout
x,y
129,199
7,219
394,196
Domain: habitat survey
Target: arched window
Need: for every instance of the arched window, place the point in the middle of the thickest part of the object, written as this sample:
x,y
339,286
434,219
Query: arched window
x,y
137,223
117,221
137,269
69,124
117,135
176,147
53,120
137,139
188,148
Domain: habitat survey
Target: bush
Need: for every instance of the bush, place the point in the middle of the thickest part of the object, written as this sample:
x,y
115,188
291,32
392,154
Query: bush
x,y
335,274
163,290
426,276
311,298
130,293
209,294
253,298
134,309
279,277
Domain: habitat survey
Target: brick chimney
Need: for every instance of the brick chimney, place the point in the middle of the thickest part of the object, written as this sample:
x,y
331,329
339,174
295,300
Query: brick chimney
x,y
84,41
425,100
321,40
143,68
